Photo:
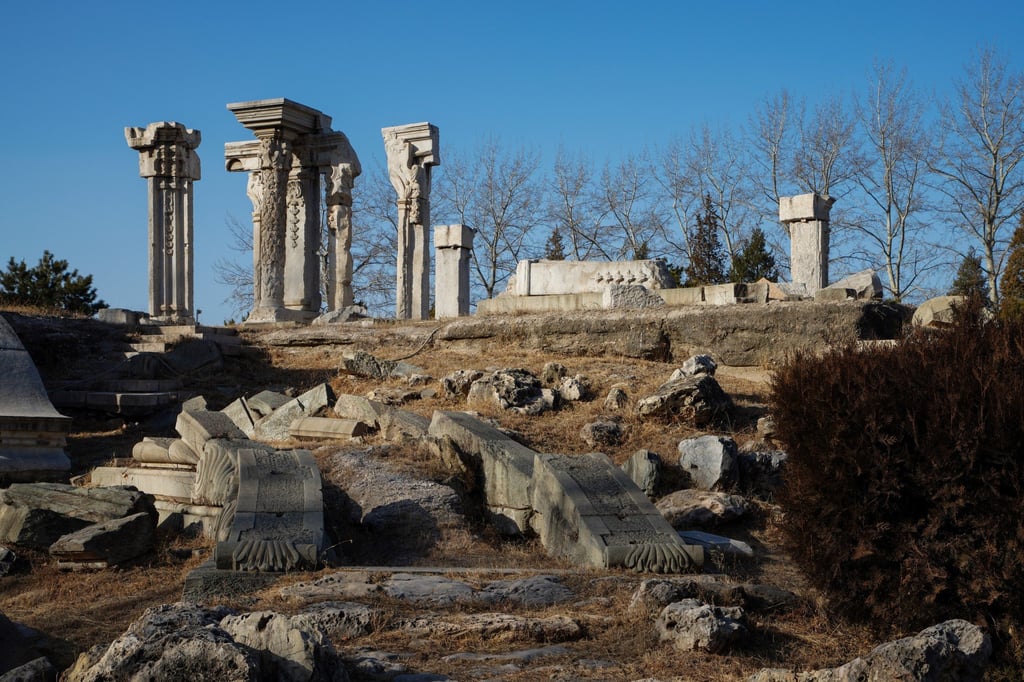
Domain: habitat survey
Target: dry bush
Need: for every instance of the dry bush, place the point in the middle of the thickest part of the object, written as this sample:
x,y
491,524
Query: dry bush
x,y
904,466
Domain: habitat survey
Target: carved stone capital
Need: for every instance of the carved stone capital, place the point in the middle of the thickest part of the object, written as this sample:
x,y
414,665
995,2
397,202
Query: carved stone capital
x,y
166,150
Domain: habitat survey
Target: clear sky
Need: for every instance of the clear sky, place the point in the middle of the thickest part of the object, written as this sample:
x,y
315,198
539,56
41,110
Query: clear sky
x,y
603,78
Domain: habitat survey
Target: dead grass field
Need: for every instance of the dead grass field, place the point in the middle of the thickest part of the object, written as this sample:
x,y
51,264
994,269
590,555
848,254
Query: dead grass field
x,y
90,608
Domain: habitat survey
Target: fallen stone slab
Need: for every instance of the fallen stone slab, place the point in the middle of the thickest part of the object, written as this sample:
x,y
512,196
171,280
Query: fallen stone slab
x,y
38,514
167,482
590,512
152,450
864,284
507,467
691,508
242,415
937,312
722,544
534,591
654,594
265,402
325,428
102,545
207,583
499,627
197,427
644,468
275,426
432,589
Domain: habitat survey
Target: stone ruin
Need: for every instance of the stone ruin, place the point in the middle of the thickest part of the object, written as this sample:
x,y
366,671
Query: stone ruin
x,y
453,246
168,161
807,218
295,147
412,151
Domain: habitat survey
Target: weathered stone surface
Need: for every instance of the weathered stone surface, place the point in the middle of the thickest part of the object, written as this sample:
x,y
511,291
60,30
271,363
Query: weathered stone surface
x,y
699,399
603,432
105,544
686,509
456,385
363,364
717,543
337,620
289,649
937,312
32,432
865,284
165,482
358,408
507,467
351,312
833,294
265,402
761,473
534,591
432,589
325,428
498,627
517,390
546,277
571,389
37,514
177,643
630,296
654,594
277,424
195,428
152,450
240,413
644,468
710,461
37,670
278,520
697,364
590,512
553,373
193,354
7,559
694,626
216,479
397,425
180,452
616,400
22,645
453,248
953,651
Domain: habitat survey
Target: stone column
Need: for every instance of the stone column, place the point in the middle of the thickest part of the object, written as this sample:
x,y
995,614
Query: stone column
x,y
412,150
453,245
340,166
284,185
807,216
168,160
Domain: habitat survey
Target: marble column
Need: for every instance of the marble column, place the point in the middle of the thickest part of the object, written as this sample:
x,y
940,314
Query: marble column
x,y
807,218
340,166
453,246
170,164
411,151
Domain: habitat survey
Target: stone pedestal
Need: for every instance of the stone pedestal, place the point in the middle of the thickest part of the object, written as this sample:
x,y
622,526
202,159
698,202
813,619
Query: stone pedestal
x,y
453,246
168,161
294,147
807,217
412,150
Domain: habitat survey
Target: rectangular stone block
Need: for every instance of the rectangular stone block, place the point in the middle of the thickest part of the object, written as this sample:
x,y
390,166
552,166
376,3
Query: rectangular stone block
x,y
723,294
504,304
327,428
804,207
683,295
551,277
107,543
265,402
239,412
199,426
275,426
166,483
446,236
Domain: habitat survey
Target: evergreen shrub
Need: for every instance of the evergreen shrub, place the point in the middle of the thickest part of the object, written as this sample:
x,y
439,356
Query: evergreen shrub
x,y
904,493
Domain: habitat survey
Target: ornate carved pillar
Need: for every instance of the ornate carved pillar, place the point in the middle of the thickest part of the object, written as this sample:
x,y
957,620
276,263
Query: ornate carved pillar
x,y
412,150
169,162
340,166
302,235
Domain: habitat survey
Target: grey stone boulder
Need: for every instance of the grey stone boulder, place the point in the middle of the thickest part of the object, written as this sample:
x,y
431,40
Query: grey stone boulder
x,y
553,373
432,589
574,388
37,670
602,432
644,467
534,591
265,402
456,385
197,427
337,620
106,544
363,364
692,625
22,646
654,594
173,643
37,514
937,312
691,508
710,461
616,400
289,649
952,651
761,473
698,399
349,312
697,364
7,559
516,390
865,284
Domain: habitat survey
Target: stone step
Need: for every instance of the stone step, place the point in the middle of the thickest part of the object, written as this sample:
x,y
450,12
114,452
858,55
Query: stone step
x,y
153,347
116,402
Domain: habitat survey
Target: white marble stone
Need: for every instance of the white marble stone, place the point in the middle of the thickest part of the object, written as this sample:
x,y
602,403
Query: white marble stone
x,y
411,151
453,246
552,277
170,164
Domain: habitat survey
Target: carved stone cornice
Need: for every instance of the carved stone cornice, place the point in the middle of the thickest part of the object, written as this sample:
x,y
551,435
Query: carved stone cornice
x,y
166,150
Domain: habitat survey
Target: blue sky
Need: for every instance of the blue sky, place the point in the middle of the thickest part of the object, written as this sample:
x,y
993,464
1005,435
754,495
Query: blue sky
x,y
598,77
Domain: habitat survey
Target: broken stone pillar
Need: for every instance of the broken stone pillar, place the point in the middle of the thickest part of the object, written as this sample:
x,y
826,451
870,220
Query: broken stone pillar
x,y
412,150
806,217
168,161
453,245
294,146
340,166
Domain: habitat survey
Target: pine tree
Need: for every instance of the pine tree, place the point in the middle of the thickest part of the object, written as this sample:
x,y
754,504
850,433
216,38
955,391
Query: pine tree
x,y
48,285
707,259
1011,286
970,277
754,261
555,248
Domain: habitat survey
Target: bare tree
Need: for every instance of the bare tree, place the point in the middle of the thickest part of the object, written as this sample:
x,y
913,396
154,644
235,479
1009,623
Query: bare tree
x,y
630,207
498,193
826,156
981,178
679,187
572,209
770,136
237,276
891,118
374,241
